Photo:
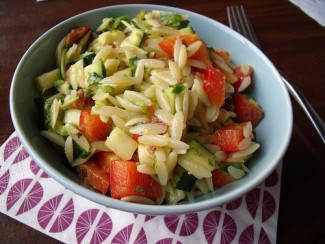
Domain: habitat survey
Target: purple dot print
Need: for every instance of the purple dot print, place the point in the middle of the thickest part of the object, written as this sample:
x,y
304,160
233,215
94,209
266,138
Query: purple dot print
x,y
234,204
167,241
35,169
101,231
189,224
268,207
64,219
272,180
214,222
11,146
252,201
84,223
18,191
123,236
141,237
47,211
248,236
148,217
31,199
171,222
263,238
22,154
4,180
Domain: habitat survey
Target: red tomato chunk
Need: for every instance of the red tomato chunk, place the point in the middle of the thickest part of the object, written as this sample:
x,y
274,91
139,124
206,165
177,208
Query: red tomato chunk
x,y
125,180
94,176
105,159
92,127
228,138
215,85
247,109
201,54
221,178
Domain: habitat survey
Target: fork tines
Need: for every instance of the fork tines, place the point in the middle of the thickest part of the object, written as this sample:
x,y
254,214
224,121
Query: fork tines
x,y
239,21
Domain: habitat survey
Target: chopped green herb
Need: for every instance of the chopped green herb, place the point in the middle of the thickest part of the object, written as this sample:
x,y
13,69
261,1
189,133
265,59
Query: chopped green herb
x,y
141,14
133,64
84,154
177,89
94,78
58,83
116,23
174,20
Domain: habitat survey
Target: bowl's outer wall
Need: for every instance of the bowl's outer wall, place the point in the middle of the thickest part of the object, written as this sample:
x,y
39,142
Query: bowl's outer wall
x,y
273,133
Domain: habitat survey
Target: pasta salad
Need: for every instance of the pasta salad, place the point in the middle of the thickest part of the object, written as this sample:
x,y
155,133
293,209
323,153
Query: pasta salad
x,y
145,112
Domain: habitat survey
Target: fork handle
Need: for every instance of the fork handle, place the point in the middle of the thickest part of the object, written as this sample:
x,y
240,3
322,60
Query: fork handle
x,y
305,105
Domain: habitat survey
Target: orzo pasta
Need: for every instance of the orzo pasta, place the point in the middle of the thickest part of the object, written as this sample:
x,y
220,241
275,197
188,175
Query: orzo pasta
x,y
146,112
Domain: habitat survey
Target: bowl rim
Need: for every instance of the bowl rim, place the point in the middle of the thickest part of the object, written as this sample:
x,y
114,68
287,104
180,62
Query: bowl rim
x,y
134,207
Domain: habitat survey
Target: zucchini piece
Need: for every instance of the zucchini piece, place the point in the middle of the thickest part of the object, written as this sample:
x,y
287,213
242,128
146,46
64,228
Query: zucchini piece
x,y
63,62
60,129
46,81
171,98
134,39
111,66
62,86
72,116
186,181
198,160
47,115
76,75
121,144
88,58
94,73
209,160
120,89
78,151
125,72
110,37
187,30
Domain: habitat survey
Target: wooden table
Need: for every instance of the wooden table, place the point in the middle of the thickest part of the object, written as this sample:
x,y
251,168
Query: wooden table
x,y
291,39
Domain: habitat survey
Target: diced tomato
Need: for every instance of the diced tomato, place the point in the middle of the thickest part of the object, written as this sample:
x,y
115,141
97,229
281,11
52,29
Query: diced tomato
x,y
215,85
229,137
125,180
94,176
247,109
76,35
105,159
135,137
221,178
82,102
92,127
202,54
242,72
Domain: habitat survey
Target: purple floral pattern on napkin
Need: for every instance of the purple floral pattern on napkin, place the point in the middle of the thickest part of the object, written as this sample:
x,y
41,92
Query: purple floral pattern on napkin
x,y
29,195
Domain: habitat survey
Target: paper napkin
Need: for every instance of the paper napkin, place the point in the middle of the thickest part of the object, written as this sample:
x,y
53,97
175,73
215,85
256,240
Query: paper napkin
x,y
30,196
314,8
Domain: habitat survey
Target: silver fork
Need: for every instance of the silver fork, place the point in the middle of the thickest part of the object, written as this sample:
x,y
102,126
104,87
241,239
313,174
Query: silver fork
x,y
239,22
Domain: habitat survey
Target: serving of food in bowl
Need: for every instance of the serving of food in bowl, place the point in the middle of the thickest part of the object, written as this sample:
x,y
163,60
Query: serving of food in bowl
x,y
151,109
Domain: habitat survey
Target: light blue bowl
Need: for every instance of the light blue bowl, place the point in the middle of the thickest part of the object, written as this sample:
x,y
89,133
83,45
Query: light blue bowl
x,y
273,133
